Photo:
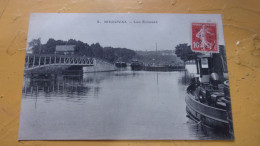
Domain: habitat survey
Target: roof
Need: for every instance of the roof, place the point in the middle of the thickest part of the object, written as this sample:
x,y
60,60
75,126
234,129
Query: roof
x,y
65,48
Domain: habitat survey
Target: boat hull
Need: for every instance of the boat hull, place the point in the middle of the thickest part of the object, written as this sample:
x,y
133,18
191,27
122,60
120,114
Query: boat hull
x,y
206,115
136,67
164,68
121,65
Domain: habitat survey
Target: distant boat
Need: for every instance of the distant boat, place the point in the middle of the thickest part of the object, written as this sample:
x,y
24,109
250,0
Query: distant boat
x,y
120,64
164,68
136,65
156,67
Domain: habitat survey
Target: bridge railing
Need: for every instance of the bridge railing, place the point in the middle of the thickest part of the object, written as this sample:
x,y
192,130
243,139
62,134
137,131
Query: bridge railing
x,y
33,61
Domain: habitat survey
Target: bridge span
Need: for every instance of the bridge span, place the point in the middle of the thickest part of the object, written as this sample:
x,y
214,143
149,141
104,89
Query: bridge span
x,y
36,61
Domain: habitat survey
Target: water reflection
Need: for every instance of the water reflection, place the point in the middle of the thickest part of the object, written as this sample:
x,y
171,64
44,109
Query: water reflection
x,y
109,105
199,131
70,88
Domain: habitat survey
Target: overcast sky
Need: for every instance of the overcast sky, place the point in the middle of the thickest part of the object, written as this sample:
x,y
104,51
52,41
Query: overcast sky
x,y
171,29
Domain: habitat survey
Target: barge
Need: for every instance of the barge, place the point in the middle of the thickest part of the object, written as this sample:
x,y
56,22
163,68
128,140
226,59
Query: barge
x,y
121,64
136,65
164,68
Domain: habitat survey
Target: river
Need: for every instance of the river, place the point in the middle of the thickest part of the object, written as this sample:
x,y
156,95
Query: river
x,y
108,105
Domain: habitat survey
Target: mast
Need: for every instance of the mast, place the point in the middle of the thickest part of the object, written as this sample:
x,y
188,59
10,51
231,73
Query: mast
x,y
156,54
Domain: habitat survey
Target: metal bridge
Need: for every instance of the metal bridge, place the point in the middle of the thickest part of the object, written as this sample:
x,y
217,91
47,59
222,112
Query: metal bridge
x,y
34,61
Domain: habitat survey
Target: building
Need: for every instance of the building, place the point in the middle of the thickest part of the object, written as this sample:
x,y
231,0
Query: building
x,y
65,49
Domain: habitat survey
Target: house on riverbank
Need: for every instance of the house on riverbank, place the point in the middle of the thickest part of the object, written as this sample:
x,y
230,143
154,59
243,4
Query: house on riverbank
x,y
65,49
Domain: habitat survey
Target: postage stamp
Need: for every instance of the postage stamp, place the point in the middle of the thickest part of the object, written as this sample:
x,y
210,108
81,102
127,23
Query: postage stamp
x,y
204,37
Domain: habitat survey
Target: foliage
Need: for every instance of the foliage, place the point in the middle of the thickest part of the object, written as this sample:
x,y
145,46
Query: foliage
x,y
162,57
185,53
94,50
35,45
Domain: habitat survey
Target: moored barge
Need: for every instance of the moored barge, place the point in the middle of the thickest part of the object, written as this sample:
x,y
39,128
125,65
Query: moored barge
x,y
136,65
120,64
164,68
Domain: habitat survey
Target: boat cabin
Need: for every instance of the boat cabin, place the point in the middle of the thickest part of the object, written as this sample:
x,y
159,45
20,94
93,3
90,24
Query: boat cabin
x,y
211,74
211,68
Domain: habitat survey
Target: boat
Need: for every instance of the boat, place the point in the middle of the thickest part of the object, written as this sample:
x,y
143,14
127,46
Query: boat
x,y
120,64
136,65
164,68
155,66
208,98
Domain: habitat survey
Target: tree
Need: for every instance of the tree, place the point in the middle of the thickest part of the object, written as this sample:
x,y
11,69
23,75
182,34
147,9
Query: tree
x,y
185,53
49,47
35,45
97,50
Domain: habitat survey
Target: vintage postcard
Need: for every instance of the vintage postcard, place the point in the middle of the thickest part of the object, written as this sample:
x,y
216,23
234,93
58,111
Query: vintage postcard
x,y
125,77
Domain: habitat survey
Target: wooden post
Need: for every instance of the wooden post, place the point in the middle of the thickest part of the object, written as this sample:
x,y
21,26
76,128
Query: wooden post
x,y
39,60
44,60
33,60
58,86
53,87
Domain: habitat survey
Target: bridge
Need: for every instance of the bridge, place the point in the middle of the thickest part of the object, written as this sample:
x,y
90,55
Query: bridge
x,y
36,61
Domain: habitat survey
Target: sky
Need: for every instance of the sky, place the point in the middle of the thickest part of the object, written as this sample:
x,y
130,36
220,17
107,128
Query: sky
x,y
169,31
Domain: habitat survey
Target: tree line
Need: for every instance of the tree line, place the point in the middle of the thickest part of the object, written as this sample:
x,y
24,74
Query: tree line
x,y
109,54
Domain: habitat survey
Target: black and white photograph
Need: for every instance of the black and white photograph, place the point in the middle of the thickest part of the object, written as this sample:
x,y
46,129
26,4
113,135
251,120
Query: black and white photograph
x,y
125,76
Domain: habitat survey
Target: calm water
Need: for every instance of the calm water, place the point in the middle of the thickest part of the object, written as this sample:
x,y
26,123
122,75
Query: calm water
x,y
108,105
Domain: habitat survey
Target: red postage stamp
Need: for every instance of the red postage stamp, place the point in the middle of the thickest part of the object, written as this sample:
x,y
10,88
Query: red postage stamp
x,y
204,37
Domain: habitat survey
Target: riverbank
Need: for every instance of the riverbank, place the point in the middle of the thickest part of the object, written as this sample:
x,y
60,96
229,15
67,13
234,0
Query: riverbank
x,y
100,66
